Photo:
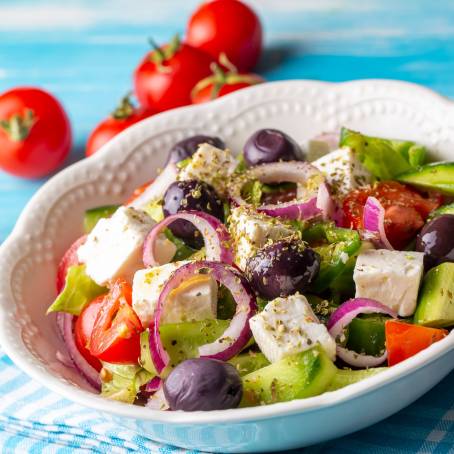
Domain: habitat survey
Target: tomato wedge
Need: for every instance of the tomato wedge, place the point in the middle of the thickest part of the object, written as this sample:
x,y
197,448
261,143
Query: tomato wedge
x,y
69,259
406,210
404,340
138,192
116,332
83,329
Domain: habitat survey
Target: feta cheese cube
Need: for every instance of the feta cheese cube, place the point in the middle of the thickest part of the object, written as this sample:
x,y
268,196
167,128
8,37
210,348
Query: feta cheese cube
x,y
114,247
251,231
195,299
287,326
343,171
390,277
211,165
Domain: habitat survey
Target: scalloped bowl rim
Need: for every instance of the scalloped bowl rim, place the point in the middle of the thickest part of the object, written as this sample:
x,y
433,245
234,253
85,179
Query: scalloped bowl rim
x,y
96,402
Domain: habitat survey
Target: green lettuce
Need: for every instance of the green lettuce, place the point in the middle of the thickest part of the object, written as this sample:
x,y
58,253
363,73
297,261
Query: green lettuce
x,y
125,382
79,290
384,158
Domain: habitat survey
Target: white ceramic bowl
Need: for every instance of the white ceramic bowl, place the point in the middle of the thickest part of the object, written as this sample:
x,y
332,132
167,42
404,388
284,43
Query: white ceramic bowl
x,y
52,220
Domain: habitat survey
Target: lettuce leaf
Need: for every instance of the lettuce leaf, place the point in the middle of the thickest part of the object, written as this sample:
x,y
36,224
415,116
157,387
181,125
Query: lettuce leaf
x,y
384,158
125,383
79,290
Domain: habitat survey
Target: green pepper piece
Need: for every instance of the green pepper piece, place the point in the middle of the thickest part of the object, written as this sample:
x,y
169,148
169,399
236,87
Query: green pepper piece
x,y
335,245
366,334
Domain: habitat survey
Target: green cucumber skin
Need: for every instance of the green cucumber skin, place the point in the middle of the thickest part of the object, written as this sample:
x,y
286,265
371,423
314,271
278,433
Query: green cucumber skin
x,y
436,298
298,376
437,176
445,209
245,363
366,334
93,215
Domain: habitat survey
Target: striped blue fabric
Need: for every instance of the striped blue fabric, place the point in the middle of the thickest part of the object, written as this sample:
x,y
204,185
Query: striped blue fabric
x,y
35,420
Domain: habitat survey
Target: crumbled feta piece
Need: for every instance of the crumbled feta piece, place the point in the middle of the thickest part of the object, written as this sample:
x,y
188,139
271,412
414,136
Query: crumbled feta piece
x,y
390,277
195,299
343,171
251,231
211,165
321,145
287,326
114,247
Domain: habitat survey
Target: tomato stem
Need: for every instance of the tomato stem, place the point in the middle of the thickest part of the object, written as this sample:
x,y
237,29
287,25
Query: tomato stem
x,y
18,126
124,109
161,54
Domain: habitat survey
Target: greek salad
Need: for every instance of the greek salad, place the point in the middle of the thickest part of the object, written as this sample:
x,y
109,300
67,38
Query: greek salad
x,y
281,273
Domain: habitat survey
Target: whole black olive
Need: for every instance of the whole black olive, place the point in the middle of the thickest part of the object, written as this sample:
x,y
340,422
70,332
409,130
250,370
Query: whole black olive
x,y
187,147
282,269
191,195
203,384
270,145
436,240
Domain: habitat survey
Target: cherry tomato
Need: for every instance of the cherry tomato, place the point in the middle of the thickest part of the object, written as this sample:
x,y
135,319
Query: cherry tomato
x,y
404,340
167,75
69,259
83,329
116,333
35,134
406,210
222,82
121,118
227,26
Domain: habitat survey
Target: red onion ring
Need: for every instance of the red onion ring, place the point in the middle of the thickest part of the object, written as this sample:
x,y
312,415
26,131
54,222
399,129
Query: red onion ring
x,y
157,189
215,236
234,338
153,385
343,316
315,201
374,223
65,323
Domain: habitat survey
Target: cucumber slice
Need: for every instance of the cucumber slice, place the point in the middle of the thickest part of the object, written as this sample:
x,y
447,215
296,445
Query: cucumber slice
x,y
438,176
445,209
436,298
304,374
93,215
345,377
182,340
245,363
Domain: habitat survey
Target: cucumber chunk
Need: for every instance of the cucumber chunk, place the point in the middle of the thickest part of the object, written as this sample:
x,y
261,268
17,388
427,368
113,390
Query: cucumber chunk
x,y
182,340
438,176
345,377
445,209
304,374
436,298
93,215
245,363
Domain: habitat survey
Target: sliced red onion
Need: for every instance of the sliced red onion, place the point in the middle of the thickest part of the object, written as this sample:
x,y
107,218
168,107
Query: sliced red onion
x,y
153,385
157,189
238,333
343,316
310,202
64,359
374,223
158,401
91,375
215,236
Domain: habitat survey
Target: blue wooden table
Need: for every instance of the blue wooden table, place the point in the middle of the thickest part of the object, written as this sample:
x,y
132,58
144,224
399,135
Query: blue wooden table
x,y
84,52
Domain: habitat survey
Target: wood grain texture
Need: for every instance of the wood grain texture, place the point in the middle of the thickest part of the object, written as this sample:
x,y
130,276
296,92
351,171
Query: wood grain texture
x,y
85,52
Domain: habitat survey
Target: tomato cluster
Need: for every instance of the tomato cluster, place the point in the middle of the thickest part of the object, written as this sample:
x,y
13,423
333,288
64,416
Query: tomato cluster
x,y
223,43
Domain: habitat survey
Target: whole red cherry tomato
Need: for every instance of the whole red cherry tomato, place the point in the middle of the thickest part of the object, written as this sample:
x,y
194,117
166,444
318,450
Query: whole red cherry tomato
x,y
222,81
405,209
35,134
83,329
165,78
227,26
125,115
